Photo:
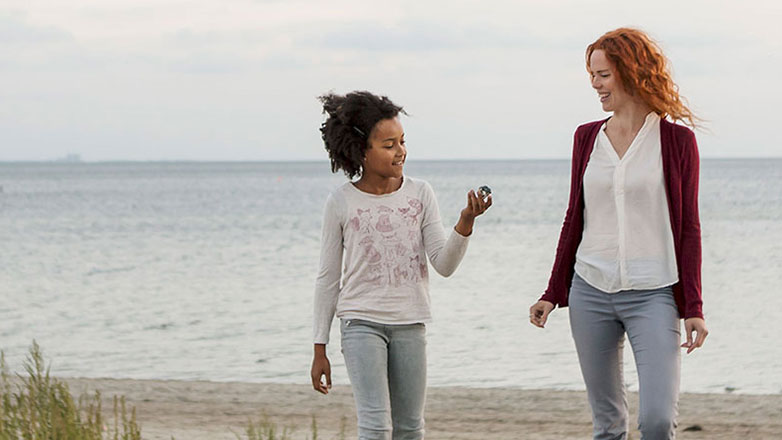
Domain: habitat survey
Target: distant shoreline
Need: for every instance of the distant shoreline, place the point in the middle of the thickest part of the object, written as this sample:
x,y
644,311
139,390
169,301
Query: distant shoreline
x,y
325,160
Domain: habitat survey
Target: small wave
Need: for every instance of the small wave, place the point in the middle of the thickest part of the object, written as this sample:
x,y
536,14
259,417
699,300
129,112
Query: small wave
x,y
99,271
164,326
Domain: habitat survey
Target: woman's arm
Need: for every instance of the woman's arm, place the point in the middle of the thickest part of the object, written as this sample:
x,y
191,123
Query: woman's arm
x,y
564,260
691,230
691,248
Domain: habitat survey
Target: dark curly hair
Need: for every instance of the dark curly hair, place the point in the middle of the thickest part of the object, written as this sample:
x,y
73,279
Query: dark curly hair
x,y
348,125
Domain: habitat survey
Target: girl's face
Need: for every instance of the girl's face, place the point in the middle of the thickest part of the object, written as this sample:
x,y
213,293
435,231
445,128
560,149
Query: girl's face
x,y
386,154
606,82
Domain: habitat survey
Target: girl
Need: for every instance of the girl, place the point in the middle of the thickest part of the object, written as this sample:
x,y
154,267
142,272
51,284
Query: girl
x,y
629,254
377,234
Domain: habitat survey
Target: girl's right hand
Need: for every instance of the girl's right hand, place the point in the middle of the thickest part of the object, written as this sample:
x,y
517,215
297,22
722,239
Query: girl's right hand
x,y
538,313
321,367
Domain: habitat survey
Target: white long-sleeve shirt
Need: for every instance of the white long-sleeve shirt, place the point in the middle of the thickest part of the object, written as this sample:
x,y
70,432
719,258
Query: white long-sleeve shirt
x,y
627,241
373,256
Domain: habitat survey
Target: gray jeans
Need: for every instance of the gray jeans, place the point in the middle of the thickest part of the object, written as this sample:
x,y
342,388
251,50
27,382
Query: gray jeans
x,y
599,322
387,369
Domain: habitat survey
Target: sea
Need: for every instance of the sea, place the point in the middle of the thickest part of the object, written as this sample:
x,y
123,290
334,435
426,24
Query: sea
x,y
206,270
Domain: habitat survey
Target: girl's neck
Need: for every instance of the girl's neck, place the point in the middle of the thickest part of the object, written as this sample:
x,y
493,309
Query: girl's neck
x,y
378,185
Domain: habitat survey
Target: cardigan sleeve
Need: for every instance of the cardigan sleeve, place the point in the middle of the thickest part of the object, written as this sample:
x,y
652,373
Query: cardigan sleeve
x,y
690,270
561,273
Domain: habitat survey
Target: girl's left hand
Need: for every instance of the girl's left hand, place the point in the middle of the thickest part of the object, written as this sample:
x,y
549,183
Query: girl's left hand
x,y
697,325
475,205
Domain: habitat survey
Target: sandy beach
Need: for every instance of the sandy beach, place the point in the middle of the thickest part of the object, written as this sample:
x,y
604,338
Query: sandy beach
x,y
192,410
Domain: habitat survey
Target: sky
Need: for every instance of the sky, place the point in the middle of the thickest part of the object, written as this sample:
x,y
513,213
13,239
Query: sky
x,y
238,80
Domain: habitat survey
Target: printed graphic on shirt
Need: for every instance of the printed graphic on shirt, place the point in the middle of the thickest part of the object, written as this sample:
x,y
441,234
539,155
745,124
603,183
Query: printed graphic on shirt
x,y
390,241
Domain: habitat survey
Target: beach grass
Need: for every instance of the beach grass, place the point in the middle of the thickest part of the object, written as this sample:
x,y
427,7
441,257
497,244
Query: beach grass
x,y
37,406
265,429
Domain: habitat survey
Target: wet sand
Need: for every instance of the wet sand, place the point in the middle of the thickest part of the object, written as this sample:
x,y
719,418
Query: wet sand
x,y
193,410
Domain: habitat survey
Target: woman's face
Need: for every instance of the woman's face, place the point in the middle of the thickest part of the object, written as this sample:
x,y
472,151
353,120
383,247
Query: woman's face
x,y
386,154
606,82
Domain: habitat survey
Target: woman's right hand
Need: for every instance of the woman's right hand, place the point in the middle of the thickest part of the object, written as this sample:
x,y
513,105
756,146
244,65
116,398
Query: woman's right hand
x,y
538,313
321,367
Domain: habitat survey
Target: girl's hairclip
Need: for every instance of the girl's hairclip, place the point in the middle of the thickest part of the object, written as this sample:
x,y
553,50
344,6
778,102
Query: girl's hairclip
x,y
358,130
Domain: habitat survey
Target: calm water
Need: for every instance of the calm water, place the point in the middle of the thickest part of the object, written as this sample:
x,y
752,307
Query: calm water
x,y
206,271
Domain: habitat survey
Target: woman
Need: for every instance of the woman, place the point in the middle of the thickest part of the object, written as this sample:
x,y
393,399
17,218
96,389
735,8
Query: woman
x,y
377,234
629,253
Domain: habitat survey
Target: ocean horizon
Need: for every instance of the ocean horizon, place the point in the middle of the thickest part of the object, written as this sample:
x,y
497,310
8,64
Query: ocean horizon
x,y
201,270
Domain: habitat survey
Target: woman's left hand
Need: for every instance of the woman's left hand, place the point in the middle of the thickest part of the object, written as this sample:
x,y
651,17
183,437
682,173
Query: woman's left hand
x,y
697,325
475,207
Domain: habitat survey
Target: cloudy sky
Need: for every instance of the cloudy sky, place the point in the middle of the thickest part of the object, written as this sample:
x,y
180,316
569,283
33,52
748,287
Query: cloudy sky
x,y
238,79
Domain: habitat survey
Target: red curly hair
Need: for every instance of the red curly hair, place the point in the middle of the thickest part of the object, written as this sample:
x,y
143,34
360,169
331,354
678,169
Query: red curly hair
x,y
643,69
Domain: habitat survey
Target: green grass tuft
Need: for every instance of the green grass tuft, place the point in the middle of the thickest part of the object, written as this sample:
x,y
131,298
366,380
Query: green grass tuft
x,y
37,406
40,407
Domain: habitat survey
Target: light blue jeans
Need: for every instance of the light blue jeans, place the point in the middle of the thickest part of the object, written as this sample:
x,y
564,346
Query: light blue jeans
x,y
599,322
387,369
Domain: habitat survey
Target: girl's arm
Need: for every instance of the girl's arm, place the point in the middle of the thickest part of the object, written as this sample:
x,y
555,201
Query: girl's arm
x,y
475,207
326,293
446,254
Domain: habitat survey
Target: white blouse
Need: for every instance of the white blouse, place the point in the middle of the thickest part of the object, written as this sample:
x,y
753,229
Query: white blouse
x,y
627,241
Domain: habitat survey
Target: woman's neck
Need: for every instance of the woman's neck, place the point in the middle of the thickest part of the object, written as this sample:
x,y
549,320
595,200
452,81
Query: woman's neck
x,y
629,119
378,185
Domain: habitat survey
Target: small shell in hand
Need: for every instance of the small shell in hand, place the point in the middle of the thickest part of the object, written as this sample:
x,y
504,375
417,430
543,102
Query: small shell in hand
x,y
484,191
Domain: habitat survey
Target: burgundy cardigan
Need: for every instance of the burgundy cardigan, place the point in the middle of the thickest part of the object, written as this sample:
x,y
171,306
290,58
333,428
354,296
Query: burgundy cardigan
x,y
680,169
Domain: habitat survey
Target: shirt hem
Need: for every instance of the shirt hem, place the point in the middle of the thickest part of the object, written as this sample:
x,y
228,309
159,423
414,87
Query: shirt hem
x,y
626,288
425,320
